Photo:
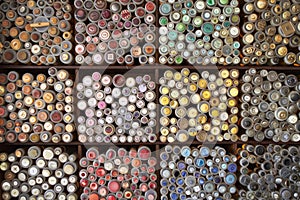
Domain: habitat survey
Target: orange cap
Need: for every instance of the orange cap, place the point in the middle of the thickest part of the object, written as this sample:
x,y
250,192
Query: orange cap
x,y
94,197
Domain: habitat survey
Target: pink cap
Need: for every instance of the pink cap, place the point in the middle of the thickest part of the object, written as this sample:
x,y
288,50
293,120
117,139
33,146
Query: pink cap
x,y
102,105
114,186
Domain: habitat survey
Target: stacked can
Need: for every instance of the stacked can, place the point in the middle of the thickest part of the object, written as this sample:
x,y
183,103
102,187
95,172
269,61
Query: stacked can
x,y
201,105
269,172
39,174
116,109
271,32
270,106
115,32
118,174
197,173
201,32
36,108
35,31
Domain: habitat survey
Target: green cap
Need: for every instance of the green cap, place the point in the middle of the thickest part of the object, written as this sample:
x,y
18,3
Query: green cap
x,y
210,3
178,60
228,10
180,27
171,44
189,4
190,37
163,21
226,24
172,35
186,19
208,28
235,18
236,45
224,2
197,21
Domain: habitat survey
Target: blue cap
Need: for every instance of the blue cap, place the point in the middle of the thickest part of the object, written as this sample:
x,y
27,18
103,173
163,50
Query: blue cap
x,y
230,179
218,27
174,196
181,165
172,180
204,151
217,179
201,181
185,151
180,190
164,156
214,170
204,171
199,162
226,158
164,183
165,8
209,177
183,197
183,174
197,174
180,181
172,187
232,167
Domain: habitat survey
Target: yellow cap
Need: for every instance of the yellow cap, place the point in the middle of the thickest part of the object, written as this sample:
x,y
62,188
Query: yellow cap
x,y
206,94
233,119
228,82
184,100
224,126
224,73
232,102
234,130
193,87
204,107
215,113
173,120
207,126
186,80
166,111
174,104
202,119
233,92
164,90
174,129
202,83
168,74
70,128
194,77
2,90
234,73
193,133
164,100
164,131
177,76
185,72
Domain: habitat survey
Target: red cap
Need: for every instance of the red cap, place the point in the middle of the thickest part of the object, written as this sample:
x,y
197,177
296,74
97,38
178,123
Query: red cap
x,y
150,6
100,172
111,197
2,111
